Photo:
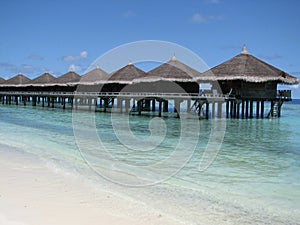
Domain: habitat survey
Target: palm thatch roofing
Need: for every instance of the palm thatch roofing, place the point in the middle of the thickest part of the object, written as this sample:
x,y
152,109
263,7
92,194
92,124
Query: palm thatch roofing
x,y
95,76
1,80
44,79
250,69
17,80
126,74
173,70
70,78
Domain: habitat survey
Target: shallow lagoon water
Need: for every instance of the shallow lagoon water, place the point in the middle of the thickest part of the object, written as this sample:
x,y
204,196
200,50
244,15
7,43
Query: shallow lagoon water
x,y
254,178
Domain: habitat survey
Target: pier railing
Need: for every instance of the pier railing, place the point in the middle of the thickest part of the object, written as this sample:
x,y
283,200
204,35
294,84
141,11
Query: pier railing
x,y
117,94
284,94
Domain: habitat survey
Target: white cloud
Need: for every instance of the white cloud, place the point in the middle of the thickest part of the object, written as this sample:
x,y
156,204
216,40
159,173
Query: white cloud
x,y
23,68
198,18
75,68
84,54
295,86
73,58
129,14
35,57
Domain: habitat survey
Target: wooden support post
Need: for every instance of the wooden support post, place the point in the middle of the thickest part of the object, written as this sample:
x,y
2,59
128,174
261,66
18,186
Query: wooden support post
x,y
279,109
262,109
200,111
127,105
251,109
105,104
24,100
227,108
166,106
147,105
159,108
219,109
213,110
234,109
243,108
64,102
119,104
177,108
52,101
89,103
43,102
153,105
139,105
33,100
76,102
238,104
271,109
188,105
257,109
247,109
207,110
231,109
17,100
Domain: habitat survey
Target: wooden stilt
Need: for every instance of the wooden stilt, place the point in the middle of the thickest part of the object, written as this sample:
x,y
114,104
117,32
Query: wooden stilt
x,y
166,106
238,105
251,109
153,105
207,110
257,109
262,109
227,108
247,109
243,109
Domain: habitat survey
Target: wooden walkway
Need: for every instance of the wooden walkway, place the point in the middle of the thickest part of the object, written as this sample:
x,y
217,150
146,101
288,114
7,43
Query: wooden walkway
x,y
206,106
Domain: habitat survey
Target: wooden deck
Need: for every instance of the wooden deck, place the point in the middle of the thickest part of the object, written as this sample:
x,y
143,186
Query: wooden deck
x,y
206,105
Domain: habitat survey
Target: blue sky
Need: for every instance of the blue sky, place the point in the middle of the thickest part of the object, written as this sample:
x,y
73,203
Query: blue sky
x,y
58,35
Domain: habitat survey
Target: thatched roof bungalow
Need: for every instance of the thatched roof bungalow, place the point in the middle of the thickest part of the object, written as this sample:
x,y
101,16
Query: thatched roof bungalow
x,y
93,80
249,77
1,80
42,80
15,83
95,76
69,79
17,80
172,76
122,77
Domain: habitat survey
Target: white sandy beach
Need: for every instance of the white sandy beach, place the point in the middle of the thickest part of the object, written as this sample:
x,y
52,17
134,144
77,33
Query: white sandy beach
x,y
32,194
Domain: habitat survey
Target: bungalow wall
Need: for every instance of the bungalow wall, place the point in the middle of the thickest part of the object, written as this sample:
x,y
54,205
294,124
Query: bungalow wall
x,y
250,90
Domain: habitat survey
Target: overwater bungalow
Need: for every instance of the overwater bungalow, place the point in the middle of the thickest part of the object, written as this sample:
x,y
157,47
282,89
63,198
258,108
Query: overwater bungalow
x,y
250,80
239,88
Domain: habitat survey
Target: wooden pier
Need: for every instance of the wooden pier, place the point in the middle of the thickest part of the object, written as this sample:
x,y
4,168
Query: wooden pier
x,y
243,87
205,106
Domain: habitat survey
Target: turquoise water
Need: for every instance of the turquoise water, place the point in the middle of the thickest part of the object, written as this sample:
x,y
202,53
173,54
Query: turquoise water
x,y
254,178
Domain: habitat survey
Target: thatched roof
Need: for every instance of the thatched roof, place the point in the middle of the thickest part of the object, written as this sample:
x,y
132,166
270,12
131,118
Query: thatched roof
x,y
70,78
172,70
251,69
17,80
1,80
95,76
126,74
44,79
